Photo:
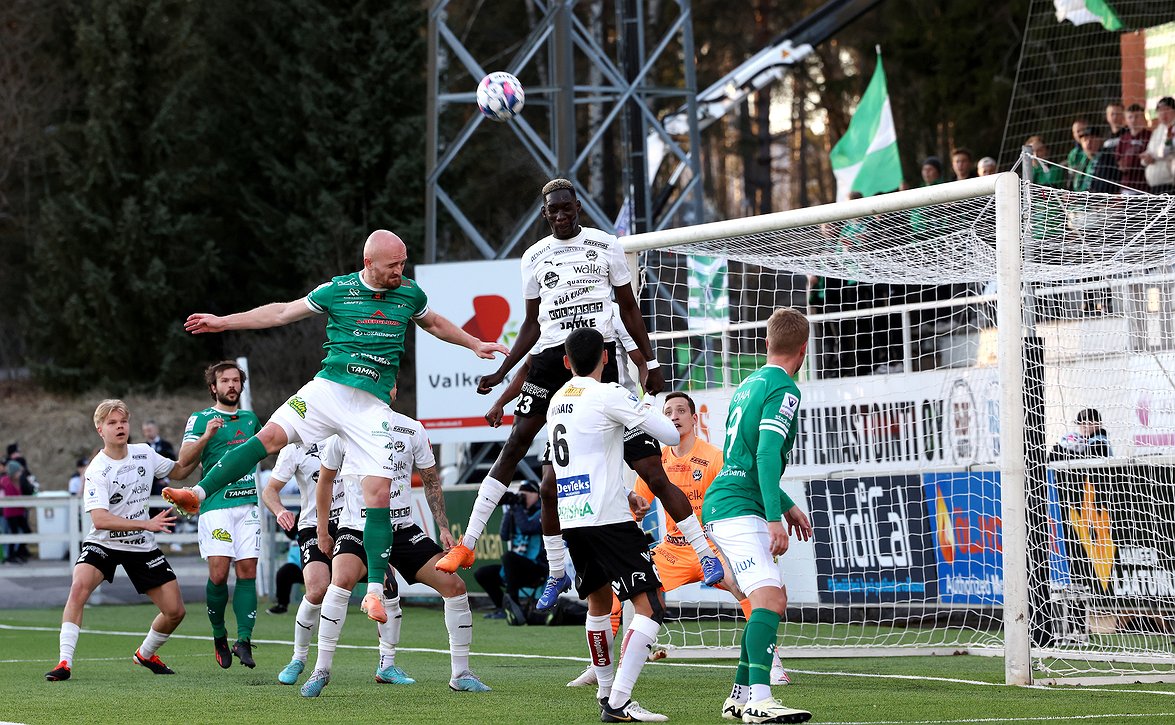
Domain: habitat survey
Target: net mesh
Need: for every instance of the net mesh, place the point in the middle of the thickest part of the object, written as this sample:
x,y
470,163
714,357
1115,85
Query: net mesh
x,y
897,457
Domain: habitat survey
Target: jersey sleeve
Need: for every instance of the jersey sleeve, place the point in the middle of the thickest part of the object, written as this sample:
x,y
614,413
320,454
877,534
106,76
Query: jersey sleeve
x,y
286,464
97,493
618,272
623,407
530,285
194,428
320,297
161,465
422,449
331,457
776,436
421,300
622,335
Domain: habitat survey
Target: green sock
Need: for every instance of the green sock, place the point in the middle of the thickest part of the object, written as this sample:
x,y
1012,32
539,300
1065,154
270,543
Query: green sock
x,y
217,595
377,542
759,639
742,672
236,464
245,607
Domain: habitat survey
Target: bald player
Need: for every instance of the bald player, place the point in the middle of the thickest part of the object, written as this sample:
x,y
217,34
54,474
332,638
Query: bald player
x,y
368,315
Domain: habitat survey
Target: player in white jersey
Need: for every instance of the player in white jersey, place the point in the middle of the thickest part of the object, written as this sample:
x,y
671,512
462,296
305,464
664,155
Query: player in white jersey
x,y
413,554
585,429
116,487
300,463
569,280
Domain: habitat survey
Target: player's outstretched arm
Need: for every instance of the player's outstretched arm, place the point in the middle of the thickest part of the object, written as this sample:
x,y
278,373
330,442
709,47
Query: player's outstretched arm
x,y
497,410
161,522
274,314
441,328
630,313
271,496
322,496
528,335
436,503
191,450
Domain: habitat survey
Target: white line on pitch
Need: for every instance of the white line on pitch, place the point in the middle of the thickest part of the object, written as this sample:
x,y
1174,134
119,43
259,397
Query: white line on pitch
x,y
1043,718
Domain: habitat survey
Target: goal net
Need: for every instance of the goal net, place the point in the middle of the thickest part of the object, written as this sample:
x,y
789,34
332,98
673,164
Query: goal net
x,y
959,333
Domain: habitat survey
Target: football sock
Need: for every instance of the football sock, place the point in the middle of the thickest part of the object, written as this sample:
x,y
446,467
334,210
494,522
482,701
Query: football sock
x,y
489,493
600,636
236,464
68,642
389,632
692,531
638,643
245,607
760,634
152,643
304,624
742,673
556,555
330,623
217,598
740,693
377,543
459,622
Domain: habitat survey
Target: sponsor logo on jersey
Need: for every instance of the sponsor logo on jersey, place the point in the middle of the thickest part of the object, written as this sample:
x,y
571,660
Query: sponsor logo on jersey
x,y
589,308
405,431
352,293
375,359
592,255
364,370
697,475
399,467
538,253
571,391
125,534
573,486
116,499
140,456
347,282
381,296
572,295
550,279
740,566
402,513
222,535
240,492
398,446
594,243
377,333
537,391
569,510
378,318
699,461
298,405
598,270
789,406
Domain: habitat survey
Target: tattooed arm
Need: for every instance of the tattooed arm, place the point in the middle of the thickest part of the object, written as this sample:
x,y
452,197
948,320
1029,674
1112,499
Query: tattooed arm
x,y
436,504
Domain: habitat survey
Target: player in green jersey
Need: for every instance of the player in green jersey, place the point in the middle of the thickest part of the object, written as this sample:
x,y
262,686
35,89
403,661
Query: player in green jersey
x,y
745,509
368,316
229,525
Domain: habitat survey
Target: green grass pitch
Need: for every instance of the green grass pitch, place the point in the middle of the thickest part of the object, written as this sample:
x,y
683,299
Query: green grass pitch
x,y
526,666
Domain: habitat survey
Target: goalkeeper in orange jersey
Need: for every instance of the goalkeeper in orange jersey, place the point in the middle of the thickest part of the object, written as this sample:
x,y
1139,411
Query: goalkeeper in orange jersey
x,y
691,465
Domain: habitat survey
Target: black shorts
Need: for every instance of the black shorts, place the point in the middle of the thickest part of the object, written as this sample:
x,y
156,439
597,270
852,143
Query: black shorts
x,y
146,569
411,549
548,374
308,543
616,554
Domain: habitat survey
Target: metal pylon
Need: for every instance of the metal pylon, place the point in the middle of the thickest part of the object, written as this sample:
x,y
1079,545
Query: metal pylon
x,y
565,68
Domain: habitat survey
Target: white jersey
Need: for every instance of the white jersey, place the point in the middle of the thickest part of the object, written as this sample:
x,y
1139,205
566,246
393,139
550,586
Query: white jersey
x,y
300,463
407,444
573,281
585,429
625,345
122,488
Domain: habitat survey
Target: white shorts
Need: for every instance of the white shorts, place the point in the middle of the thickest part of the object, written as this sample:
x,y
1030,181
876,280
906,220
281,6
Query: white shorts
x,y
323,408
746,546
234,532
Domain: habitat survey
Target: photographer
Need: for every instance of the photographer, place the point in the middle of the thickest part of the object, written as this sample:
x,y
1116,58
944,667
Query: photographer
x,y
524,563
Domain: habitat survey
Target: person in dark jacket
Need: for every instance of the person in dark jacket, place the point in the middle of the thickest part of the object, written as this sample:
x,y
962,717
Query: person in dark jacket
x,y
1088,441
524,561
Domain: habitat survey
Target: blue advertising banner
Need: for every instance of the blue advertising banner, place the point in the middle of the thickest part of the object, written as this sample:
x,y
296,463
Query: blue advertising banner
x,y
872,541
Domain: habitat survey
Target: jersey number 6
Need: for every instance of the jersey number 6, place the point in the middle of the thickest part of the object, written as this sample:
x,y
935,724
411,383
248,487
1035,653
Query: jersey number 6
x,y
562,454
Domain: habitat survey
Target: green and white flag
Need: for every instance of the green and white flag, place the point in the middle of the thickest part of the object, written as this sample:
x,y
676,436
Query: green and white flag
x,y
1081,12
866,157
709,300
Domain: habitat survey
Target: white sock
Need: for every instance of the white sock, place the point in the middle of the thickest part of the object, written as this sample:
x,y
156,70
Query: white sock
x,y
152,643
459,622
489,493
200,493
330,624
68,642
556,555
638,643
740,693
305,622
376,588
760,692
389,632
599,637
692,531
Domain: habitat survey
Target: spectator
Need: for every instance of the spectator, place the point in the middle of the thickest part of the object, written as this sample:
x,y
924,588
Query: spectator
x,y
1088,441
1079,125
13,454
15,516
151,438
1116,119
963,163
524,563
286,577
1044,173
1096,169
987,166
1159,157
1131,145
79,477
931,171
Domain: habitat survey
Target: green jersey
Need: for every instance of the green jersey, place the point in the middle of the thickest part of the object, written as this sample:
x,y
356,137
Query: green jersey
x,y
238,427
366,330
760,433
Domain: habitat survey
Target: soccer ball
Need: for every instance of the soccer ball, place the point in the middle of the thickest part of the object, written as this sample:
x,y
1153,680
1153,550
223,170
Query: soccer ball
x,y
500,96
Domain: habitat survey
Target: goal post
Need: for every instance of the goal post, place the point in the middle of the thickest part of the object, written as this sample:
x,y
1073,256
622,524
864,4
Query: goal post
x,y
957,330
